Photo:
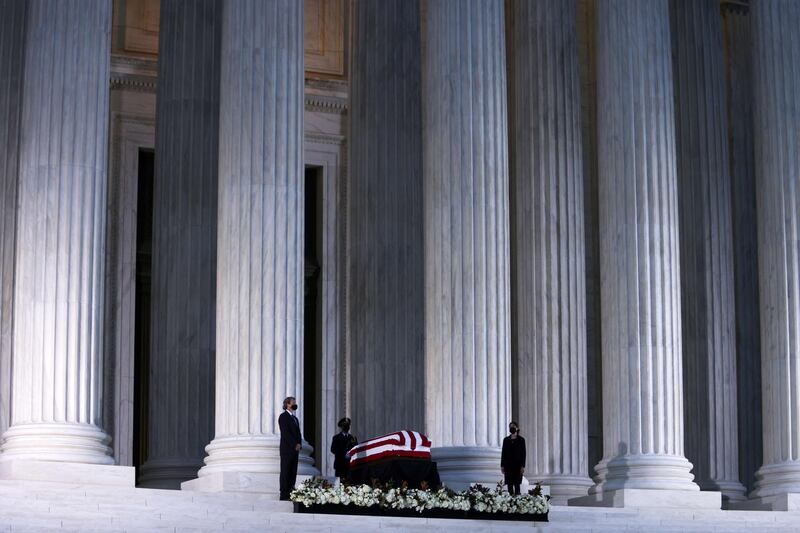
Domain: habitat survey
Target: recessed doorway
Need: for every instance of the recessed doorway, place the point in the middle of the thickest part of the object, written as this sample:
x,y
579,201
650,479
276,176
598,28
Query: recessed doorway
x,y
312,313
141,343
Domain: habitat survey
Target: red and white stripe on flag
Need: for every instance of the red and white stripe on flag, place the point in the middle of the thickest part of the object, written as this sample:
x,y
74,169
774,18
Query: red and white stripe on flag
x,y
400,444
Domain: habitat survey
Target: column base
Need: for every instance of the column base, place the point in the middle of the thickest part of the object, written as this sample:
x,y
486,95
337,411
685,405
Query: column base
x,y
779,502
461,466
651,498
777,479
645,471
61,472
167,473
268,484
647,480
562,488
732,491
59,442
260,483
247,463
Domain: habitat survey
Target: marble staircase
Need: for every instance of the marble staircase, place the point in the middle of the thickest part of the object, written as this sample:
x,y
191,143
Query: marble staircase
x,y
61,507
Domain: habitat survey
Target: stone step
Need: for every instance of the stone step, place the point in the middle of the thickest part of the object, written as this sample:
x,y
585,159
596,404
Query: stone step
x,y
46,507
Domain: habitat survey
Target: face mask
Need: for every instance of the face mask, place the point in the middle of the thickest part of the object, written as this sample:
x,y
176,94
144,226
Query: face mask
x,y
346,427
294,407
512,430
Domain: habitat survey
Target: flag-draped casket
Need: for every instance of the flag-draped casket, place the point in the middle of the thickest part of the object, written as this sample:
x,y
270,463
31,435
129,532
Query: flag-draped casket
x,y
409,444
403,456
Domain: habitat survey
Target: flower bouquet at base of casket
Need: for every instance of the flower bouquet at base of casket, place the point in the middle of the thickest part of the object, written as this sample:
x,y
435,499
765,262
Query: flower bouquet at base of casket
x,y
389,494
319,496
497,504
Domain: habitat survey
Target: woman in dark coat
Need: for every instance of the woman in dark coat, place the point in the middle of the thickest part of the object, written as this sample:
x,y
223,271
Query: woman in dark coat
x,y
340,445
512,460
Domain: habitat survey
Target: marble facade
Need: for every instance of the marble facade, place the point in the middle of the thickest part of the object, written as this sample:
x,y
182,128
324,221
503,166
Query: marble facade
x,y
579,215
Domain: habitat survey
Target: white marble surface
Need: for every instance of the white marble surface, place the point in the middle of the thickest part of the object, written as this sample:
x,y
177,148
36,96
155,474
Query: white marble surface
x,y
183,280
57,386
684,500
548,286
776,53
12,40
586,30
706,247
385,275
259,357
466,236
131,130
75,507
739,71
67,472
327,150
639,256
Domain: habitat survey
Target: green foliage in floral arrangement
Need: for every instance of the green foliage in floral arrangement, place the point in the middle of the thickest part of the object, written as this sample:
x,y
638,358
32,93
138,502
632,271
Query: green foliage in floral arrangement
x,y
318,491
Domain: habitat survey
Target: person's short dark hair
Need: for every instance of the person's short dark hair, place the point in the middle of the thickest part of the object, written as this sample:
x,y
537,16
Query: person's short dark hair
x,y
287,401
343,421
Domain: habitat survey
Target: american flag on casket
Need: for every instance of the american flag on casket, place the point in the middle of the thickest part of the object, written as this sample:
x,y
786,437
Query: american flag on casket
x,y
406,444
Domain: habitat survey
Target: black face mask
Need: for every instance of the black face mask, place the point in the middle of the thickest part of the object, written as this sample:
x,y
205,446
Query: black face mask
x,y
294,407
345,427
512,430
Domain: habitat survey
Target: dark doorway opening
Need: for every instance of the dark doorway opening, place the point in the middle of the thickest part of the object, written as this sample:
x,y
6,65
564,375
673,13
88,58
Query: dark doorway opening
x,y
312,317
141,344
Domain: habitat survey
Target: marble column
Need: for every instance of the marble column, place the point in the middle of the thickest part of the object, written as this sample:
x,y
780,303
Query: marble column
x,y
184,243
548,272
639,263
739,71
706,246
466,199
259,336
57,394
588,90
384,220
776,113
12,44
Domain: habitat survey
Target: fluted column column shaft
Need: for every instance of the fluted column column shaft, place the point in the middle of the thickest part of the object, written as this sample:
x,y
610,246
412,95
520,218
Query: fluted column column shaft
x,y
385,259
184,243
548,289
706,246
465,171
260,234
12,45
739,72
776,113
58,297
639,262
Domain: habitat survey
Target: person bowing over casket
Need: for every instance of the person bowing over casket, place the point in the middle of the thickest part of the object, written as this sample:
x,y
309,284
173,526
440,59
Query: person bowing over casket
x,y
340,445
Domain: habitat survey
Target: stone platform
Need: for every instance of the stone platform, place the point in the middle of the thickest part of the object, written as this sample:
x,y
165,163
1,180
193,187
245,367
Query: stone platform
x,y
60,507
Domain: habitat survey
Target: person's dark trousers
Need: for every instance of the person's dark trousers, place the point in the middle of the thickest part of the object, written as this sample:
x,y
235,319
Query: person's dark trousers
x,y
288,474
513,489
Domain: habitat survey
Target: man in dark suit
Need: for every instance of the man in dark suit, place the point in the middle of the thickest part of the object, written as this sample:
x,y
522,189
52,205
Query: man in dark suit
x,y
291,442
340,445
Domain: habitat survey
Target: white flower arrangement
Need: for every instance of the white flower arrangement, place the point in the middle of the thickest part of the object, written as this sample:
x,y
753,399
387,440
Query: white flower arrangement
x,y
319,491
